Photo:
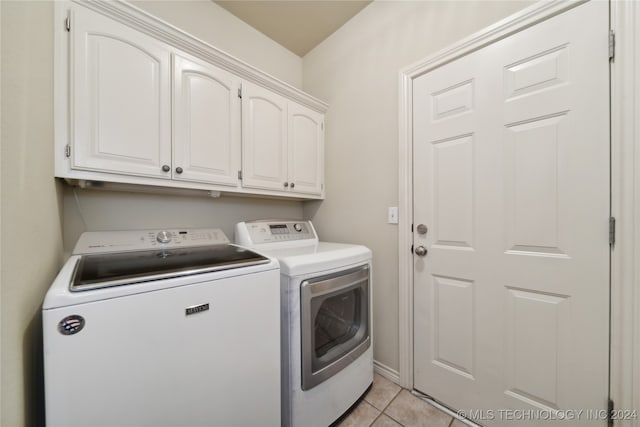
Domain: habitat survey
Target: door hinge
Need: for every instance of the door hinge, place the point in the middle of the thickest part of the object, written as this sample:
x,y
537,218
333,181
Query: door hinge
x,y
67,23
322,126
240,175
412,228
240,92
612,230
67,150
612,45
411,248
610,413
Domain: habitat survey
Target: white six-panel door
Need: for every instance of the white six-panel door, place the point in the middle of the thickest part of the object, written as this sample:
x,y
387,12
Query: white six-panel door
x,y
511,178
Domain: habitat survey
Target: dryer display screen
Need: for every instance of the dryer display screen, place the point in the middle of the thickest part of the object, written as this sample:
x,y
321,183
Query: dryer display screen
x,y
279,229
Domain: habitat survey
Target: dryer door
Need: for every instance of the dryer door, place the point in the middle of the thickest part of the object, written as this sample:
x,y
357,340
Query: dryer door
x,y
335,323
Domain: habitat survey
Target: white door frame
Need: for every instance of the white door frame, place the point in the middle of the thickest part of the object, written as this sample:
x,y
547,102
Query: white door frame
x,y
625,181
625,261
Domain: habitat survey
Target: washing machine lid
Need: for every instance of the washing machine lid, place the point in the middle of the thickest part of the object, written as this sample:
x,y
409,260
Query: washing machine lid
x,y
317,257
95,271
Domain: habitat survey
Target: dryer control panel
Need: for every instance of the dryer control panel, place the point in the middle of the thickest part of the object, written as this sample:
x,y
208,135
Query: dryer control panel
x,y
261,232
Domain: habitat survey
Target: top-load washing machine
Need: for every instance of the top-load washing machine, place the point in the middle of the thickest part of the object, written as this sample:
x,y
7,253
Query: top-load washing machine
x,y
157,328
327,356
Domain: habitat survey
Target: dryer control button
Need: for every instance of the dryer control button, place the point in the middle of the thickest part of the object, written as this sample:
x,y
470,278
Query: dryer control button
x,y
297,227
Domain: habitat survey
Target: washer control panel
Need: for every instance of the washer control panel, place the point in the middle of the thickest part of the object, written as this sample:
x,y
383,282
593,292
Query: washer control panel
x,y
260,232
119,241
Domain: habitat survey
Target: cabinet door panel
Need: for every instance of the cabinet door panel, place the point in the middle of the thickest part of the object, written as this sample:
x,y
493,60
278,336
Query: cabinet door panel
x,y
264,134
306,149
207,123
121,117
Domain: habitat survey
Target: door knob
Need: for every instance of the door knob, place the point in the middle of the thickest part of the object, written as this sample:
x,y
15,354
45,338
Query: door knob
x,y
421,251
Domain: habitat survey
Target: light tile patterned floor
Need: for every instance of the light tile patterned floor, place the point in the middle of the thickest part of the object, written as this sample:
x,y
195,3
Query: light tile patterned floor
x,y
388,405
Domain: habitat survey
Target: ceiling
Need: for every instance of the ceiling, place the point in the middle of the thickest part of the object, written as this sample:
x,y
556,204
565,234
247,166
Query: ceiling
x,y
298,25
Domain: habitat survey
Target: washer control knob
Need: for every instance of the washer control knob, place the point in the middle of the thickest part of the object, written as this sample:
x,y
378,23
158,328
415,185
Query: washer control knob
x,y
297,227
163,237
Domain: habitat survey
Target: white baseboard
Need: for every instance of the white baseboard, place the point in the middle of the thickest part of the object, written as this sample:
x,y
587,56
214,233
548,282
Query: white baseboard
x,y
387,372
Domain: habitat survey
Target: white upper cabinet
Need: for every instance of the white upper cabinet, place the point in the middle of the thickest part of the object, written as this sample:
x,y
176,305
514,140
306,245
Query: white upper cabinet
x,y
283,143
306,149
121,98
264,139
139,102
206,146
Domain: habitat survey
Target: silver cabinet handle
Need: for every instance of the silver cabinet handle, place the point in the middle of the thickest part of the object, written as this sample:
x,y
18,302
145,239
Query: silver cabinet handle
x,y
421,251
166,168
293,184
286,184
179,170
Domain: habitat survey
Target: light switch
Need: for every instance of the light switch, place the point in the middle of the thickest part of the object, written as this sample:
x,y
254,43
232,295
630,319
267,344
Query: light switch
x,y
393,215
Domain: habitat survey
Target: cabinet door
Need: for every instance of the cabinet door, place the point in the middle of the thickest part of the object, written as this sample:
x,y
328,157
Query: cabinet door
x,y
121,99
264,138
206,146
306,149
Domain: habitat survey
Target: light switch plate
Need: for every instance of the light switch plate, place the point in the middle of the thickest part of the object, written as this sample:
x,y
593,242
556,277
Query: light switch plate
x,y
393,215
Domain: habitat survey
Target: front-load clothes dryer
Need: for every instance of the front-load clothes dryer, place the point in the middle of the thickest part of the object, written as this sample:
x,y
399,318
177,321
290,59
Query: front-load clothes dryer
x,y
327,356
163,328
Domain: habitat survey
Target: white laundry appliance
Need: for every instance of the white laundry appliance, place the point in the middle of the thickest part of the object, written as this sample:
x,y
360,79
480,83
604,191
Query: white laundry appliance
x,y
327,356
163,328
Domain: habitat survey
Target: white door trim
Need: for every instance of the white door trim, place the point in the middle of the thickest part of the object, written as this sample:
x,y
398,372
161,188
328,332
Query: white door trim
x,y
625,164
625,380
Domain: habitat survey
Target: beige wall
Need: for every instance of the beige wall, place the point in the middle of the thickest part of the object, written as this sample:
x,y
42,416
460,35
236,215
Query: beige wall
x,y
31,204
32,216
1,269
215,25
356,71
